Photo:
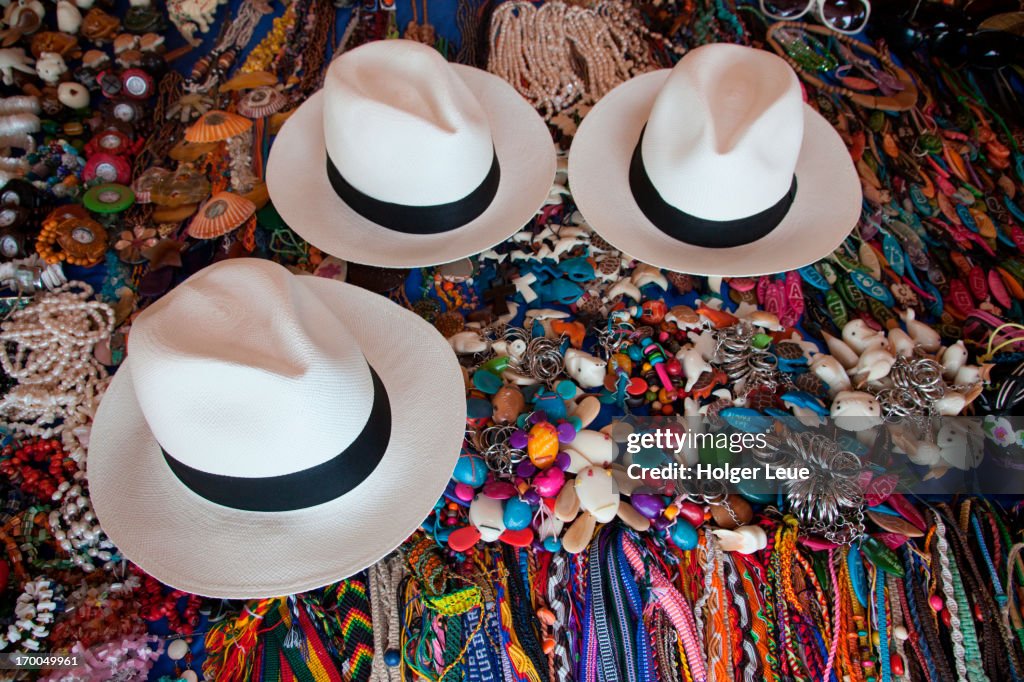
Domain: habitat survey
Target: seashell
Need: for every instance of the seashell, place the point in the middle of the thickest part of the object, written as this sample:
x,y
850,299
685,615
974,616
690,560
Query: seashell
x,y
468,342
220,214
216,126
250,80
261,102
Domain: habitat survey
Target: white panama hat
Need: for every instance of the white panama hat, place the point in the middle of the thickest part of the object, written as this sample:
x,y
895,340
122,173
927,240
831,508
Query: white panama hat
x,y
715,167
271,433
404,160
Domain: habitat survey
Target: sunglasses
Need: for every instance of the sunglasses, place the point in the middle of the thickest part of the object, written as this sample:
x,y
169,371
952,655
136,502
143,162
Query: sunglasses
x,y
843,16
948,35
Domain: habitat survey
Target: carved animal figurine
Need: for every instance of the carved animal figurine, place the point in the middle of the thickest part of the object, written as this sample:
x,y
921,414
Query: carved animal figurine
x,y
467,342
14,59
645,274
901,343
694,364
585,369
874,364
841,351
828,369
860,337
190,16
51,67
69,18
856,410
923,335
952,359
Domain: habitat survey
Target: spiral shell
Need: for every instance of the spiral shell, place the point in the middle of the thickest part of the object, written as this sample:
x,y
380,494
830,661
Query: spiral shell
x,y
221,213
215,126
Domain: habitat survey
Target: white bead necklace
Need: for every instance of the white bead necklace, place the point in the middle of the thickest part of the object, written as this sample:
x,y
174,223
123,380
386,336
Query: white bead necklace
x,y
48,349
558,54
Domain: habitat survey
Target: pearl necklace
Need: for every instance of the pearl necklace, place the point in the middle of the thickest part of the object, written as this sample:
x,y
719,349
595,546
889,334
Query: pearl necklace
x,y
77,530
558,54
48,350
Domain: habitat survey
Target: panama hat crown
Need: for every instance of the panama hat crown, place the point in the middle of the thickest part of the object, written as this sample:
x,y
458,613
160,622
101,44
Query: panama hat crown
x,y
431,141
725,132
261,381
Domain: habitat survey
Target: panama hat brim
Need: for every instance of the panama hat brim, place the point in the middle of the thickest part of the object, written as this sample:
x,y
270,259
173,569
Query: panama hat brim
x,y
301,192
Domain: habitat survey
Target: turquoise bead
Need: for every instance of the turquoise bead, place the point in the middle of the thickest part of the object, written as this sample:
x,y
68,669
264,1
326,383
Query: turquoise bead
x,y
683,534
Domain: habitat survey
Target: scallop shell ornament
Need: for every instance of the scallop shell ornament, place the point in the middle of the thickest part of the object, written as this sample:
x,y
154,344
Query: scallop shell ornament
x,y
223,212
216,126
261,102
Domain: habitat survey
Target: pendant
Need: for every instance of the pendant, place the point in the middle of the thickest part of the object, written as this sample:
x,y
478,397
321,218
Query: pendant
x,y
851,295
894,254
977,281
960,298
836,308
935,306
811,275
872,287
